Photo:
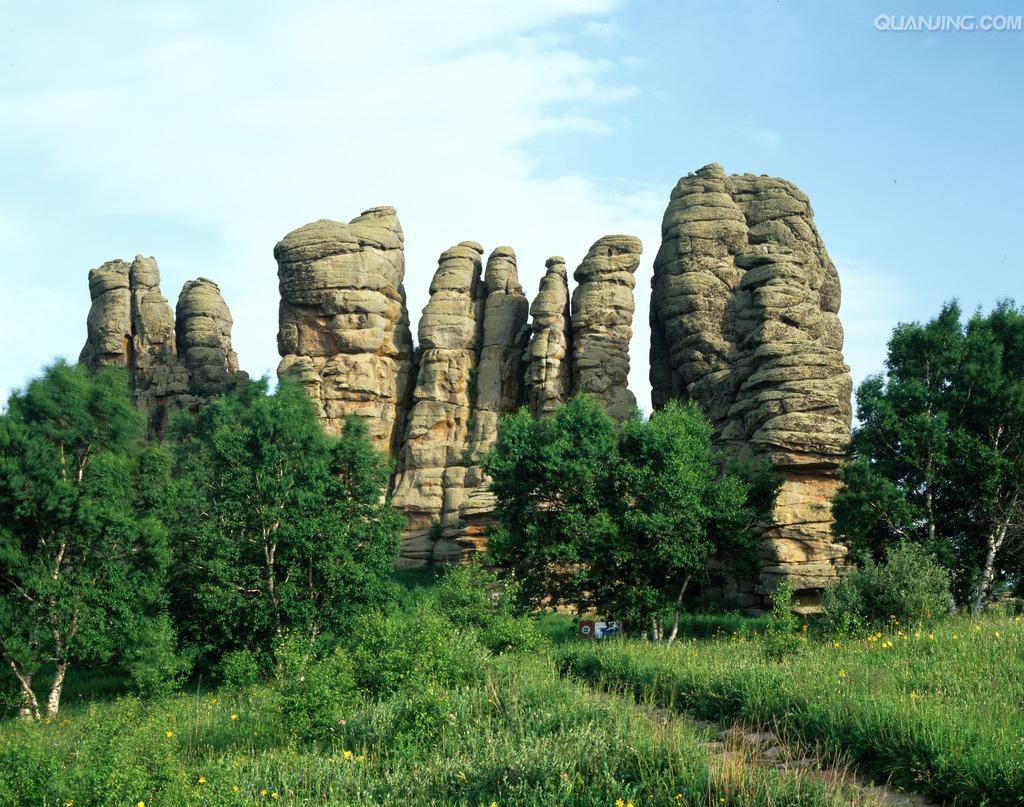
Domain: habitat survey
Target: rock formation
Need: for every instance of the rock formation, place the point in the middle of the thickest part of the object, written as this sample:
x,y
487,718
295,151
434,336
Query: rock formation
x,y
130,324
744,320
602,319
344,334
204,336
344,328
434,456
548,358
498,390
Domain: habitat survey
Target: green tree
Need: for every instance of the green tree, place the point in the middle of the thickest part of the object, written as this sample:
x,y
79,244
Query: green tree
x,y
938,455
83,560
618,519
279,528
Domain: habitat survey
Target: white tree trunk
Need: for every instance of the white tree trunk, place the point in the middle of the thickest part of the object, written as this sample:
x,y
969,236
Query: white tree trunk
x,y
988,573
53,701
29,708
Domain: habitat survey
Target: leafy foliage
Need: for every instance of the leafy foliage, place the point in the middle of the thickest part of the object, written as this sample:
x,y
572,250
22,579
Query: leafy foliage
x,y
83,560
614,519
473,597
780,634
938,456
278,527
909,587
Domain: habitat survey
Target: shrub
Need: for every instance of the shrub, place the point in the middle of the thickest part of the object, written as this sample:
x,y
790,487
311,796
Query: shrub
x,y
240,669
909,587
474,598
314,694
156,668
780,635
390,651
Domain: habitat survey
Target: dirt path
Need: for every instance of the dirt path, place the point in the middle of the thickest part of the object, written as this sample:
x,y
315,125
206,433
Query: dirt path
x,y
744,746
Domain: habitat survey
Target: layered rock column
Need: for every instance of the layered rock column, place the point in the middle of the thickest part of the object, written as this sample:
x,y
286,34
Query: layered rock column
x,y
602,319
744,320
130,324
497,388
435,453
204,336
548,357
344,327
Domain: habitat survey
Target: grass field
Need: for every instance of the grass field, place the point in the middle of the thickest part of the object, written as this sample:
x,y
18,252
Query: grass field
x,y
938,711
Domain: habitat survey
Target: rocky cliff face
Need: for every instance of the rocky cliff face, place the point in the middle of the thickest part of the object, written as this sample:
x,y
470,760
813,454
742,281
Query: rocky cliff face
x,y
344,334
602,319
344,329
432,461
172,365
548,357
744,320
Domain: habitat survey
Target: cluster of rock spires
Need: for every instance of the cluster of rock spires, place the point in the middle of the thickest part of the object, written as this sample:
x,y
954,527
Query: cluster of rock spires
x,y
345,336
744,320
175,360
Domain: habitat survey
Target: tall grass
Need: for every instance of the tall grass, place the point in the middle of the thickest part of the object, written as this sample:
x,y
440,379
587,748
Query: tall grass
x,y
523,737
937,710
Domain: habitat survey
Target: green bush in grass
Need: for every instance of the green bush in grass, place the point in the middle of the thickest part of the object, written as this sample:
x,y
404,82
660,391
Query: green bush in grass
x,y
910,587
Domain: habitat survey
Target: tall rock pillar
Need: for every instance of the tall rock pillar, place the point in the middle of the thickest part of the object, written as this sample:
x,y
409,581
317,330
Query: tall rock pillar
x,y
344,328
744,320
435,453
602,319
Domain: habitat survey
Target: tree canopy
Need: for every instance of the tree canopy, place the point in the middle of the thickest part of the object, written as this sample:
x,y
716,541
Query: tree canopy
x,y
83,559
938,455
614,518
278,527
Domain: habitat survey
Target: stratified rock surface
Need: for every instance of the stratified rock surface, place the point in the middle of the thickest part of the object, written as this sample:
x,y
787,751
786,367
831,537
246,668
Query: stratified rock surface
x,y
204,336
344,334
131,325
602,319
434,456
498,390
548,357
744,320
344,328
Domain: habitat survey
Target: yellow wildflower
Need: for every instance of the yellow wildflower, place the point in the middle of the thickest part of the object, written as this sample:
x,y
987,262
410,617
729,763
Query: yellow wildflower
x,y
263,792
347,754
361,758
914,697
202,780
234,717
168,734
842,673
997,634
140,804
235,788
494,804
620,803
955,637
931,637
274,795
977,628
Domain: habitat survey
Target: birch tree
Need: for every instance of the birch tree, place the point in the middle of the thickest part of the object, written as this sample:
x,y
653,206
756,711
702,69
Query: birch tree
x,y
82,561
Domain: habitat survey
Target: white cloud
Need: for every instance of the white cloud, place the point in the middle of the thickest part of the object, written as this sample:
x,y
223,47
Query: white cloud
x,y
249,121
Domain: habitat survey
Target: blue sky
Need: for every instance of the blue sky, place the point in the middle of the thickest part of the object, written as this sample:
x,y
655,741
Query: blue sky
x,y
201,133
